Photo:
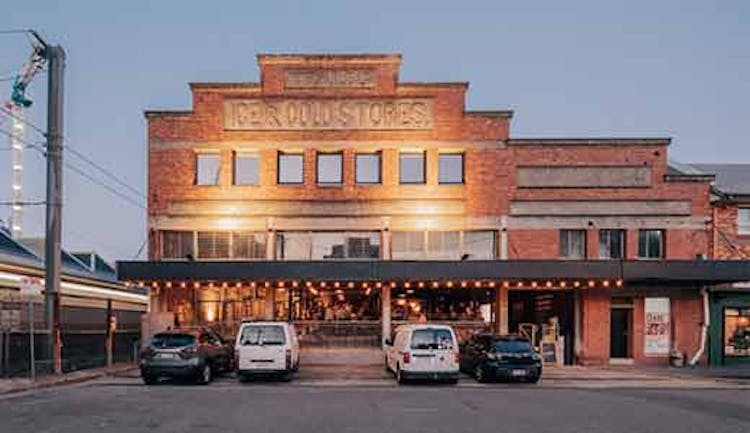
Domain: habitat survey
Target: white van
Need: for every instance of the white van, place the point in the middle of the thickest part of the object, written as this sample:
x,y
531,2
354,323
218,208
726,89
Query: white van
x,y
423,351
266,348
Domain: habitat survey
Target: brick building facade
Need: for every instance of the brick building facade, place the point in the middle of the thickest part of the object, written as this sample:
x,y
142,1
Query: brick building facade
x,y
282,187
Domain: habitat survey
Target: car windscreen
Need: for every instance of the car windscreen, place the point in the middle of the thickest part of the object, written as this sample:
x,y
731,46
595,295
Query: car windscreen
x,y
431,339
512,346
166,341
262,334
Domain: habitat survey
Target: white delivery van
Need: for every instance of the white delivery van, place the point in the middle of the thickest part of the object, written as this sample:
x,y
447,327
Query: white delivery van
x,y
266,348
423,351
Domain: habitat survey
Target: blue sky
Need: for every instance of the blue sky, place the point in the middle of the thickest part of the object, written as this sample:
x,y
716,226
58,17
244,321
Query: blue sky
x,y
569,69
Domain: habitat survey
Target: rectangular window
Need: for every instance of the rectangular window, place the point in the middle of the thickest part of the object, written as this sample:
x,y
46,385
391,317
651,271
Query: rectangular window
x,y
573,244
443,245
367,168
176,245
207,168
479,245
246,168
611,244
330,168
451,168
412,167
650,244
743,221
409,245
213,245
249,245
291,168
328,245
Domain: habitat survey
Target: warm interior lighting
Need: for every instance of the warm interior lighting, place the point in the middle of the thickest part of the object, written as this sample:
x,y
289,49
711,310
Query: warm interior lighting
x,y
238,284
350,285
225,284
196,285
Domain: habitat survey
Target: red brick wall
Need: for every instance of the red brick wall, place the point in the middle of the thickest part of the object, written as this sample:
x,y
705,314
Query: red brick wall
x,y
727,243
595,327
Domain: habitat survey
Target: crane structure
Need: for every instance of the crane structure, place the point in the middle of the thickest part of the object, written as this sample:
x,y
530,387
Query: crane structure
x,y
15,109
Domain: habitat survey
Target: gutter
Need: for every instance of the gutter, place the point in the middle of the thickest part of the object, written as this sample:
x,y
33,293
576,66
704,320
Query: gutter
x,y
704,327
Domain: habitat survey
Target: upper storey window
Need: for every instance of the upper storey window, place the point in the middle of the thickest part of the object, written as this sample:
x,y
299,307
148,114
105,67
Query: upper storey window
x,y
611,244
291,168
207,168
743,221
246,168
573,244
451,168
330,168
650,244
412,167
367,168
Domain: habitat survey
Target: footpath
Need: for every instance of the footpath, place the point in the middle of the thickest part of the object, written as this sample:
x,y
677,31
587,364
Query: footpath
x,y
20,384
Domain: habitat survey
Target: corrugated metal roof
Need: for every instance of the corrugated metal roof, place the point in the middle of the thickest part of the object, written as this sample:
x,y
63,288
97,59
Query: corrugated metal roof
x,y
732,179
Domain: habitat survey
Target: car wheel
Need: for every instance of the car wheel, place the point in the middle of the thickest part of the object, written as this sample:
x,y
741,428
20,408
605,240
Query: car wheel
x,y
533,377
149,379
479,374
206,375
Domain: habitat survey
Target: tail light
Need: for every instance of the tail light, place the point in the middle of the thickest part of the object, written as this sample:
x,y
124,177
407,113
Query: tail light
x,y
148,352
188,352
457,357
288,358
407,357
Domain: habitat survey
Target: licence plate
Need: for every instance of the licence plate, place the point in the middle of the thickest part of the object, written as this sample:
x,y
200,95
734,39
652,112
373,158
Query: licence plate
x,y
517,373
166,355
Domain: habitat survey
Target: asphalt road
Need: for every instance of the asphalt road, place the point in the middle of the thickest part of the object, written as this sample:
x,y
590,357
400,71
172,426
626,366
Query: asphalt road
x,y
116,405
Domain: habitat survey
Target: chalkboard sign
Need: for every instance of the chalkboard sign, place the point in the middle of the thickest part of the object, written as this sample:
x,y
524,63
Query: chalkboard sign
x,y
548,351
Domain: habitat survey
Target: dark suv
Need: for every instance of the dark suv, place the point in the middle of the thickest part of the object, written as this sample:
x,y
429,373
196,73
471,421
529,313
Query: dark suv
x,y
188,353
491,357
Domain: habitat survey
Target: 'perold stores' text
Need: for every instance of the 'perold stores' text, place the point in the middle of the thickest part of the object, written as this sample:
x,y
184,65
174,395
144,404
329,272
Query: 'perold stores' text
x,y
299,114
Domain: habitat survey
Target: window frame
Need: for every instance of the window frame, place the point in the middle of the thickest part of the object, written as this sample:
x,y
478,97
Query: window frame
x,y
424,167
463,167
379,154
197,165
279,155
743,229
662,244
318,154
239,153
560,244
623,243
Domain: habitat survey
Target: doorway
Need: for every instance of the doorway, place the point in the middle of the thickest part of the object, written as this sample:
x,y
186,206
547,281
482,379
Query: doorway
x,y
620,329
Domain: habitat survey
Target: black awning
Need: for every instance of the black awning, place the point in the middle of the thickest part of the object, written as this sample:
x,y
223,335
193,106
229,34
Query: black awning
x,y
663,271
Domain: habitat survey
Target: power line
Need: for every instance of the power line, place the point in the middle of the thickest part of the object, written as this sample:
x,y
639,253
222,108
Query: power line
x,y
14,31
77,153
23,203
77,170
103,185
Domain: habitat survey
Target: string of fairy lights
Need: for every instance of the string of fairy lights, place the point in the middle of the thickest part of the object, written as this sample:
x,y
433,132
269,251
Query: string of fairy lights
x,y
314,287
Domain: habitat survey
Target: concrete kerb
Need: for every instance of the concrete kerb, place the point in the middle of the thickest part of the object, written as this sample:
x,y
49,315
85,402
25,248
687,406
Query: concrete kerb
x,y
17,385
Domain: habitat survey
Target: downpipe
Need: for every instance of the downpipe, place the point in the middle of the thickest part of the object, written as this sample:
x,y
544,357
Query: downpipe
x,y
704,328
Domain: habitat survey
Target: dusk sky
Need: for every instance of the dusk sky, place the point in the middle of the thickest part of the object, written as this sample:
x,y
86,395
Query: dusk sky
x,y
569,69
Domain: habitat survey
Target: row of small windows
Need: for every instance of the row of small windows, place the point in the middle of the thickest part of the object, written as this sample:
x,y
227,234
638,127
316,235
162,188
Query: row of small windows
x,y
313,245
330,168
612,244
